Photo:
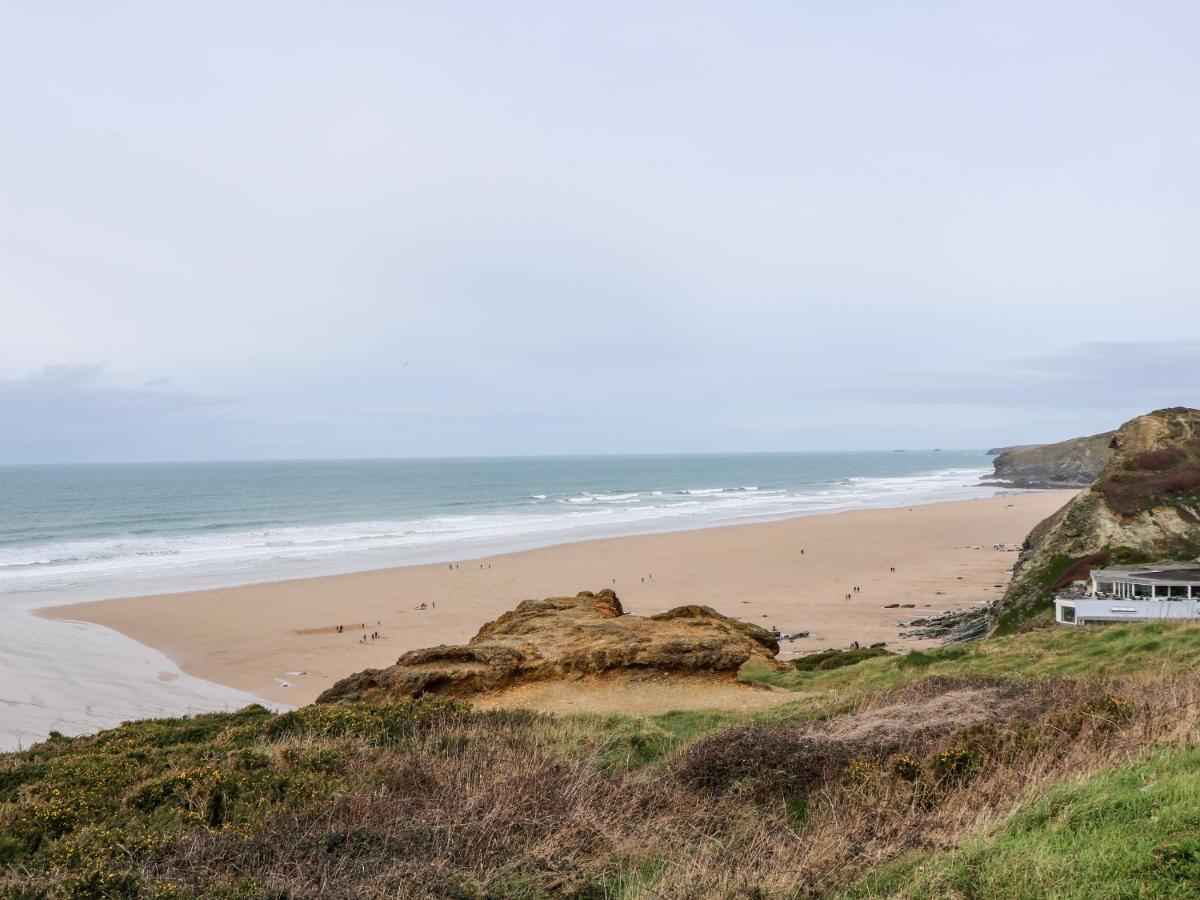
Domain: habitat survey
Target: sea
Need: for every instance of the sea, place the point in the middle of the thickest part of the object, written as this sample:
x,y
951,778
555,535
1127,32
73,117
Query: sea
x,y
82,532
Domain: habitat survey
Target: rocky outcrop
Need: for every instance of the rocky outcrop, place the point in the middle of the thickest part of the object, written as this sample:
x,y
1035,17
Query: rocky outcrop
x,y
565,638
1074,463
952,626
1144,506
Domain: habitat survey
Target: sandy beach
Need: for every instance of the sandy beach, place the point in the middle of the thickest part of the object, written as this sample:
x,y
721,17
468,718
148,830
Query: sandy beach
x,y
280,640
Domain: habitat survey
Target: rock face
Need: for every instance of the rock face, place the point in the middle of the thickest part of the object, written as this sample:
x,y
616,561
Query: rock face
x,y
1143,507
566,637
1074,463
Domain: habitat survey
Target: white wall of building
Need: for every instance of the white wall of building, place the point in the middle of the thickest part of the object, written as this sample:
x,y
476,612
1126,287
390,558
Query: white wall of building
x,y
1109,609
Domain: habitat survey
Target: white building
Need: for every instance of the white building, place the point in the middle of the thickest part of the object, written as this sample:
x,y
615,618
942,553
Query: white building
x,y
1133,594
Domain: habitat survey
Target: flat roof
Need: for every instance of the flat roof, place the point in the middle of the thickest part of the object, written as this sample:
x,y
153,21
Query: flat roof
x,y
1171,574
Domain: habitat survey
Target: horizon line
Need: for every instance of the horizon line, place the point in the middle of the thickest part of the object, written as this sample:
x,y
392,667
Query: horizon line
x,y
470,456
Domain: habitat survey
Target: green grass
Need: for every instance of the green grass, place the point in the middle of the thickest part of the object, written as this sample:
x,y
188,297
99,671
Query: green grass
x,y
1132,832
836,659
1145,648
636,741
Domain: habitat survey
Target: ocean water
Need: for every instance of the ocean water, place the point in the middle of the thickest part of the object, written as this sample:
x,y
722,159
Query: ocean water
x,y
83,532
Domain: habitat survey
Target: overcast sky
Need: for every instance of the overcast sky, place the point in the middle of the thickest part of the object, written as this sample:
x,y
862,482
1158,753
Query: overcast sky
x,y
253,230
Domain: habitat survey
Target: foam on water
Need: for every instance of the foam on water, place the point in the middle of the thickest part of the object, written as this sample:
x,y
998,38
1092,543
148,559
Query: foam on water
x,y
145,559
74,533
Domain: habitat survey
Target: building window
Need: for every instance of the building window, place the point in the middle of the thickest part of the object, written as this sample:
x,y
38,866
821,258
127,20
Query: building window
x,y
1067,613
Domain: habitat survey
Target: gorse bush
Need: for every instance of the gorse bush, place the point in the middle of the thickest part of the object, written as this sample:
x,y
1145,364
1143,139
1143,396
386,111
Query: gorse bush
x,y
905,767
381,723
957,762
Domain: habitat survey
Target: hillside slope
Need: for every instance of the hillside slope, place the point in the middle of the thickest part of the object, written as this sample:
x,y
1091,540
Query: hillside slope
x,y
1144,506
900,779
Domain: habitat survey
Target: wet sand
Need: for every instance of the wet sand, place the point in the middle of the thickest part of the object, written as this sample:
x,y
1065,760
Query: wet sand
x,y
279,640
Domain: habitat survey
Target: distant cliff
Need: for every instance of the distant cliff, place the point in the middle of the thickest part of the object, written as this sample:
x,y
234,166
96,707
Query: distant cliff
x,y
1073,463
1144,506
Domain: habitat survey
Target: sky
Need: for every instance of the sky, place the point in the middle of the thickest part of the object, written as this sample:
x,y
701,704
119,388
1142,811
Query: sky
x,y
309,230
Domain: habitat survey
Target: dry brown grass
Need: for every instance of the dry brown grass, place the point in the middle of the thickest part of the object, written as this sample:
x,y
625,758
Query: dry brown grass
x,y
486,806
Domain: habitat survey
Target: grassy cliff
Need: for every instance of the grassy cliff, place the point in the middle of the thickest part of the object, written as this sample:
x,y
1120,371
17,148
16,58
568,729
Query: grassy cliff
x,y
1144,506
921,775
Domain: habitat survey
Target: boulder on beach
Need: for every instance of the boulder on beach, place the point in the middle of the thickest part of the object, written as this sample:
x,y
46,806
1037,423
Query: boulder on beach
x,y
568,638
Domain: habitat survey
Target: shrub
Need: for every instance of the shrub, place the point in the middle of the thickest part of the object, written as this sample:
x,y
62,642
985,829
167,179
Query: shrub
x,y
958,763
767,761
836,659
377,723
919,659
1157,460
905,767
861,773
1110,708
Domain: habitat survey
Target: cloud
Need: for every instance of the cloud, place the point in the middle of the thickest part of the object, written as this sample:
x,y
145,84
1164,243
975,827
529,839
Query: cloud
x,y
60,413
1106,374
66,375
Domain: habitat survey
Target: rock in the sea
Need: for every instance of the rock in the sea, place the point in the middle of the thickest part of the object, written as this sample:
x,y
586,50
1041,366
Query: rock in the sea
x,y
562,638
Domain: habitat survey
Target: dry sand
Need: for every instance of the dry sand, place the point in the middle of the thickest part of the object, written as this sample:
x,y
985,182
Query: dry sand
x,y
793,574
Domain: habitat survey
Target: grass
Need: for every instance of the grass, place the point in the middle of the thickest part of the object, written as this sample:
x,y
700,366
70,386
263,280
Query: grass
x,y
836,659
1156,648
1131,832
931,774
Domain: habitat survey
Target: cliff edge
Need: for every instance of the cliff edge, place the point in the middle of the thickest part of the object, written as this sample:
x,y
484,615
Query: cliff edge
x,y
1073,463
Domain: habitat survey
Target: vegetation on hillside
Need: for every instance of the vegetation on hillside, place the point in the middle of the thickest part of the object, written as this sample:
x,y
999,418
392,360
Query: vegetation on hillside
x,y
919,775
1128,832
1143,507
